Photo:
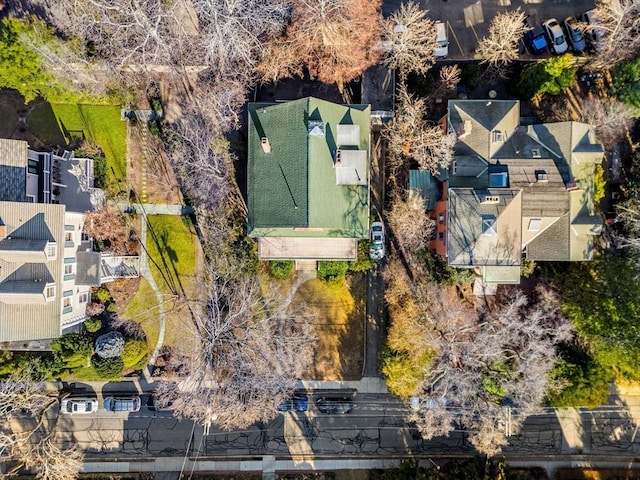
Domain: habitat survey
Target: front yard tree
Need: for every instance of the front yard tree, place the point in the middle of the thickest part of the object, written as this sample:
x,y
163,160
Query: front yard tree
x,y
500,46
334,39
30,443
250,353
409,40
410,223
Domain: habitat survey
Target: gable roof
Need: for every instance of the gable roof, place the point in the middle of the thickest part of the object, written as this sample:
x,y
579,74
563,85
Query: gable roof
x,y
484,227
474,122
21,318
297,184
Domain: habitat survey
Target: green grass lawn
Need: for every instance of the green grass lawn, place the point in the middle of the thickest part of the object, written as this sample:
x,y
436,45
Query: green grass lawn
x,y
174,251
65,124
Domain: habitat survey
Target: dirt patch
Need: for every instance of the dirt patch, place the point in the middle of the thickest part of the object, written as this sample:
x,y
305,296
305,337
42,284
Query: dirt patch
x,y
123,290
149,171
338,313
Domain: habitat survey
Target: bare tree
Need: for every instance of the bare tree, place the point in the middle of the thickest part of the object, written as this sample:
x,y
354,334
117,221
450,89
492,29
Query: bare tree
x,y
32,445
410,223
109,226
410,136
486,359
409,40
500,46
612,119
334,39
618,22
250,354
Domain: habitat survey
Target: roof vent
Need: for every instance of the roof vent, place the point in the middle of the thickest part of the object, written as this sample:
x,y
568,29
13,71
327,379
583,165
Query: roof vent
x,y
316,128
535,152
489,226
541,176
266,146
491,199
497,136
338,158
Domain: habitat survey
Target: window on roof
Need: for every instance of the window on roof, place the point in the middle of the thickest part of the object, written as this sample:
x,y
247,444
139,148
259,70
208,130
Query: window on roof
x,y
489,225
497,136
541,176
498,179
534,224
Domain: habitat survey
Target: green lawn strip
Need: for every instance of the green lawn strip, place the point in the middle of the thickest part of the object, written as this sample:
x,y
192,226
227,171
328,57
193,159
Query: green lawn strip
x,y
143,308
172,249
58,124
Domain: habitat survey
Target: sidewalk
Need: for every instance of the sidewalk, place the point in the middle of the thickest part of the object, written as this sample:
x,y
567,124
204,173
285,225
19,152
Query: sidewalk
x,y
155,208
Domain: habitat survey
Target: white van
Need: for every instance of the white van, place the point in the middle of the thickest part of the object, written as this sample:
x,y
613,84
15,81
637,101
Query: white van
x,y
442,50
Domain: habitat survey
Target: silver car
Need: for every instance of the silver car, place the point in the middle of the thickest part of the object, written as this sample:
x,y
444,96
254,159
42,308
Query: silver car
x,y
376,251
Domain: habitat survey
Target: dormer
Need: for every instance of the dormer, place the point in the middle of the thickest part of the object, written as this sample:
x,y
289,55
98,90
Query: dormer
x,y
22,250
21,292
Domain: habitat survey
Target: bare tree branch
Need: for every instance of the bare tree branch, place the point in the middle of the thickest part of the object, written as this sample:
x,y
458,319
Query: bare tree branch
x,y
500,46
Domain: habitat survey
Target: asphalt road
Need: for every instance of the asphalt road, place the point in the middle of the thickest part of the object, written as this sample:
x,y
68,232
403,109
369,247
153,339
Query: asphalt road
x,y
468,20
375,427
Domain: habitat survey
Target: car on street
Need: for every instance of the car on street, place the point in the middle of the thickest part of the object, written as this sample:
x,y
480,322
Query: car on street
x,y
416,403
594,33
79,405
158,405
536,41
334,405
442,51
298,402
122,404
555,35
376,250
575,37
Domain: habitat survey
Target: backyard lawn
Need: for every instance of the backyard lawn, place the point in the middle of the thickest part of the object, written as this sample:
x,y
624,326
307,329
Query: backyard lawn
x,y
65,124
174,253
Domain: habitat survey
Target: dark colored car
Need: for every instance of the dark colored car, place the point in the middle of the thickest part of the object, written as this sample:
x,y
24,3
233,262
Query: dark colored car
x,y
334,405
122,404
594,34
575,37
536,41
297,403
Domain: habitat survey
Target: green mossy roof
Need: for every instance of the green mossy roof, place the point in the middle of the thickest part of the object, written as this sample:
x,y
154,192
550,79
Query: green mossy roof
x,y
294,186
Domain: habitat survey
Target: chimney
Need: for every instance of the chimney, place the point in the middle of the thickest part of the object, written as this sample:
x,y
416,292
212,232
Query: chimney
x,y
266,146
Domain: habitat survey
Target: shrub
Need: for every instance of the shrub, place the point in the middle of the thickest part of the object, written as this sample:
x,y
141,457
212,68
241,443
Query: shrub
x,y
99,172
332,272
134,350
93,324
553,76
72,350
626,83
101,295
403,374
108,368
93,309
364,262
111,308
281,269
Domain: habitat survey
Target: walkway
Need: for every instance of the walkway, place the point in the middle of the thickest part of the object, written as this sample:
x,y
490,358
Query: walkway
x,y
146,273
155,208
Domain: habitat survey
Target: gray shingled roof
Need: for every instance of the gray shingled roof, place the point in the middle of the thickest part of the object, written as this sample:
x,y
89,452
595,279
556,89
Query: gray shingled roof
x,y
553,243
13,174
30,321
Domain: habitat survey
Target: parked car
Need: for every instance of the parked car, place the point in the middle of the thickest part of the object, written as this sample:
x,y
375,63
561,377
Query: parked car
x,y
594,33
416,403
575,37
441,38
299,402
78,405
536,41
122,404
555,36
334,405
376,251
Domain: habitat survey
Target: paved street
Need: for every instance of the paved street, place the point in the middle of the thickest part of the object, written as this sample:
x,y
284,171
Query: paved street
x,y
468,20
375,428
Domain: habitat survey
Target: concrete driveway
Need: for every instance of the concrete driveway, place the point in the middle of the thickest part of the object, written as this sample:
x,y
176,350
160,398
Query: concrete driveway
x,y
468,20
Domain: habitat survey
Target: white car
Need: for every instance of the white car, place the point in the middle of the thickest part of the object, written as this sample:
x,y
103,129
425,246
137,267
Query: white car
x,y
441,39
376,251
555,36
79,405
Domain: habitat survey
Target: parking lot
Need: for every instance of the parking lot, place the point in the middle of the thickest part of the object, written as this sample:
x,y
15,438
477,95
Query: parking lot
x,y
468,21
